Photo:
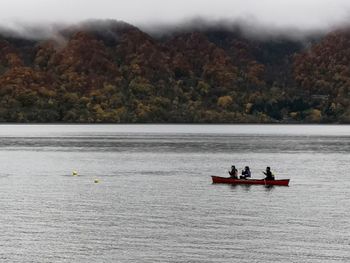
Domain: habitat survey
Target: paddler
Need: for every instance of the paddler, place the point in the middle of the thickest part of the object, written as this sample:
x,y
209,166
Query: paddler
x,y
246,173
269,174
233,173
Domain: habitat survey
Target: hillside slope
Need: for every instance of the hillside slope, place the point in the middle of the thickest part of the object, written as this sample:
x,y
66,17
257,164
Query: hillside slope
x,y
113,72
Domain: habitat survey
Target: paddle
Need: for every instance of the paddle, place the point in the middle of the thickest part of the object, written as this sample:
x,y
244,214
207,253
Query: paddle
x,y
264,179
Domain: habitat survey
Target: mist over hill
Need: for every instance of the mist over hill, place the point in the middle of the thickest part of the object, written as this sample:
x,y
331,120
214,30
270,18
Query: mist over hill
x,y
111,71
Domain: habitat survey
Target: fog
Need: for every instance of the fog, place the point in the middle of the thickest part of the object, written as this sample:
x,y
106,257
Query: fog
x,y
301,14
260,17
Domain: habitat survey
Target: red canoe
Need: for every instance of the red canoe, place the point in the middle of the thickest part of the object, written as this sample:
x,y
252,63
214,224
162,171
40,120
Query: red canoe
x,y
225,180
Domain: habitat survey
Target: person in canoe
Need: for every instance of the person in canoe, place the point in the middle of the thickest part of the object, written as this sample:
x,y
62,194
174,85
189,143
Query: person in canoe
x,y
269,174
246,173
233,173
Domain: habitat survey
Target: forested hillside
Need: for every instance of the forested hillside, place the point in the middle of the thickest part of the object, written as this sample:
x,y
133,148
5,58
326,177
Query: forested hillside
x,y
115,73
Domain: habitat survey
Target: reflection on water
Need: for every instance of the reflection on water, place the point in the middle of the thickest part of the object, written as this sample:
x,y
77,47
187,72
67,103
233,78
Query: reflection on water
x,y
249,187
155,201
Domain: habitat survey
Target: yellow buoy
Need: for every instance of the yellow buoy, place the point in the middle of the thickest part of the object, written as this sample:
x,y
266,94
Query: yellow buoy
x,y
75,173
96,181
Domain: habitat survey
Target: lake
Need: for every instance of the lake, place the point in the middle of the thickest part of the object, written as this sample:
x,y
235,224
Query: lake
x,y
155,202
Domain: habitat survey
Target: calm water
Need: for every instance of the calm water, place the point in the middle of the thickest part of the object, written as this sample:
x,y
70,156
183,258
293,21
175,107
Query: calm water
x,y
155,201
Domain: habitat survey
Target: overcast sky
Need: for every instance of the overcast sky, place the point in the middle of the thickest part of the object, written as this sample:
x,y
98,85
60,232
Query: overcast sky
x,y
304,14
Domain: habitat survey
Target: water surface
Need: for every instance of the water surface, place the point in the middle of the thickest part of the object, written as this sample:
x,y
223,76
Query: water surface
x,y
155,201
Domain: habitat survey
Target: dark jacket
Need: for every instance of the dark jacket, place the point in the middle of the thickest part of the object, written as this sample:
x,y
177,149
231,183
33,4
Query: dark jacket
x,y
246,173
269,175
